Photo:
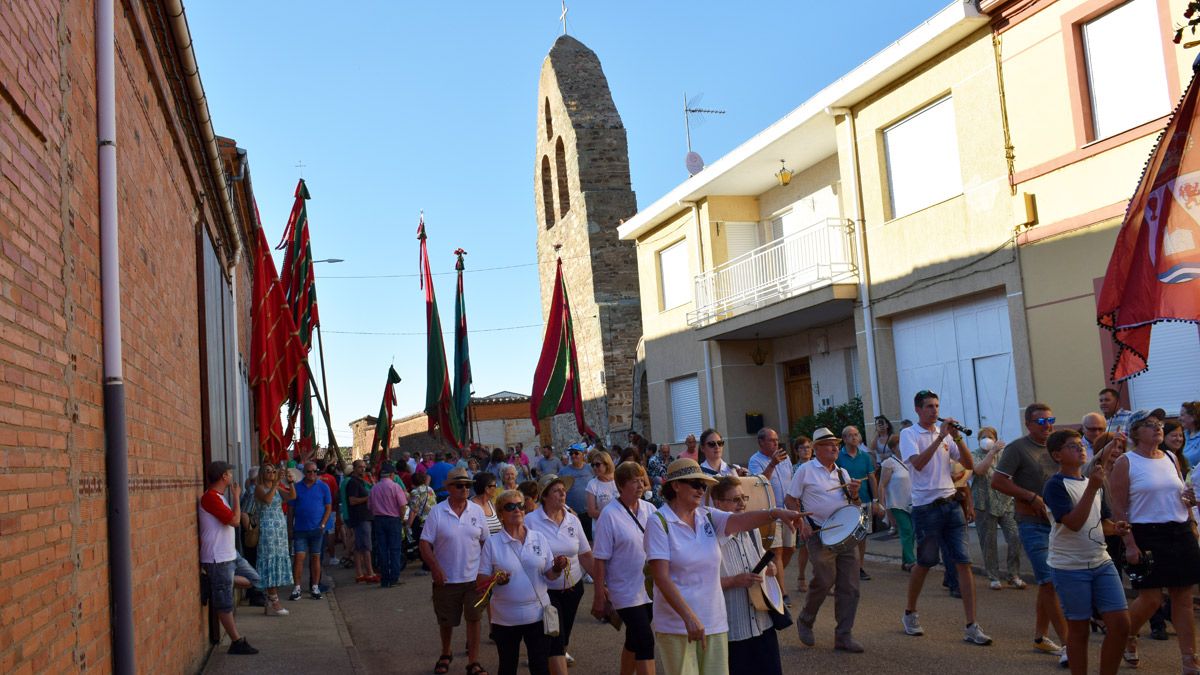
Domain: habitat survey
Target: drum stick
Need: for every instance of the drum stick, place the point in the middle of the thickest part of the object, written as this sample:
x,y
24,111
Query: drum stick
x,y
829,527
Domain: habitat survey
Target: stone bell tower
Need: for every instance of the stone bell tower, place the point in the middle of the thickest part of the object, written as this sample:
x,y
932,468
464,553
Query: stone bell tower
x,y
582,192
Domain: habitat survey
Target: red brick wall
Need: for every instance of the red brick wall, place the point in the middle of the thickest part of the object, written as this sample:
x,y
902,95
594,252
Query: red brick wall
x,y
53,548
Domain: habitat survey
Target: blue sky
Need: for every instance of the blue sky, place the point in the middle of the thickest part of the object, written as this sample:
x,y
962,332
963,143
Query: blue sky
x,y
396,107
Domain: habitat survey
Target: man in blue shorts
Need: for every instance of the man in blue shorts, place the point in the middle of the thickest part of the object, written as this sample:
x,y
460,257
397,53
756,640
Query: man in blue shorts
x,y
311,511
929,449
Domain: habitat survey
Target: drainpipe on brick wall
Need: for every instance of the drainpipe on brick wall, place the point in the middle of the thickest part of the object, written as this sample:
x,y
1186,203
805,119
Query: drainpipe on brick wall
x,y
116,460
860,260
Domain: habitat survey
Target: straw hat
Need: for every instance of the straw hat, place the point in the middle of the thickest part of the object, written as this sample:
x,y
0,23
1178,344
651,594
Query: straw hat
x,y
548,479
822,434
687,469
458,475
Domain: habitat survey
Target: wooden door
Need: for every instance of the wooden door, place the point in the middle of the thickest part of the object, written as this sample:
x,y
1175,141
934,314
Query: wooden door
x,y
798,388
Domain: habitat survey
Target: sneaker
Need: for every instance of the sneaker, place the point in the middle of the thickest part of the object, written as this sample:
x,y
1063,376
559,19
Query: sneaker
x,y
912,624
975,635
805,633
1017,583
315,592
1047,645
295,594
848,644
240,646
570,659
862,574
587,579
995,585
335,561
956,593
1062,659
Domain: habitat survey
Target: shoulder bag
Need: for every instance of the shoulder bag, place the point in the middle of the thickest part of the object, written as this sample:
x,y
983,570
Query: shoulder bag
x,y
550,623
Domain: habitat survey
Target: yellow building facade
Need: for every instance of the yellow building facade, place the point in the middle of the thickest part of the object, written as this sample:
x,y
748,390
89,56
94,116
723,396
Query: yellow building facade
x,y
951,205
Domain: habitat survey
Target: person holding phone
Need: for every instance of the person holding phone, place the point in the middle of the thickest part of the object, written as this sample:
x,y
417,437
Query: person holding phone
x,y
772,462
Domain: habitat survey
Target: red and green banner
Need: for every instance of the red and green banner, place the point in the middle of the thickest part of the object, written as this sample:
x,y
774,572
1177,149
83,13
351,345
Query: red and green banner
x,y
300,286
439,403
556,380
276,354
382,438
462,357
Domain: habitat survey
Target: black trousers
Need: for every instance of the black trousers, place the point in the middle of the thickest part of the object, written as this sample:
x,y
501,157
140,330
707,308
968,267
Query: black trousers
x,y
567,604
758,655
508,646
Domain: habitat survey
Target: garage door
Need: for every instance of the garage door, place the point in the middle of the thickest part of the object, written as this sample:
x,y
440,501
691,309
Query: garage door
x,y
1171,378
964,353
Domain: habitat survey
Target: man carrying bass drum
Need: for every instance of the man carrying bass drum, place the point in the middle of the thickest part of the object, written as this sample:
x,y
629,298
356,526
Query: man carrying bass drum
x,y
823,488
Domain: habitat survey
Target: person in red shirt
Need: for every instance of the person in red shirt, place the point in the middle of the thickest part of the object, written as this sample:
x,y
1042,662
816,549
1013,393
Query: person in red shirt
x,y
223,567
330,480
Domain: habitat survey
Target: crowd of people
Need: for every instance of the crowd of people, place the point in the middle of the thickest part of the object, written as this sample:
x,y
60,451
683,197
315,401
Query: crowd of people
x,y
680,561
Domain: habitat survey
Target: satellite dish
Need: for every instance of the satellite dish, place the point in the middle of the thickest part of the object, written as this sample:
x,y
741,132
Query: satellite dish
x,y
694,163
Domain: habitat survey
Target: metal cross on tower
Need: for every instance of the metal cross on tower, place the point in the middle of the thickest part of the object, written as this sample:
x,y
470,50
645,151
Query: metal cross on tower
x,y
563,17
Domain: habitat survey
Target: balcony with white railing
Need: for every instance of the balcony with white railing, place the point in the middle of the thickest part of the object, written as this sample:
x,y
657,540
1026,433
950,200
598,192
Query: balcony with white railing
x,y
816,256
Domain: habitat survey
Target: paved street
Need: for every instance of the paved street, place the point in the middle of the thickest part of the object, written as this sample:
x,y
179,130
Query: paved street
x,y
370,630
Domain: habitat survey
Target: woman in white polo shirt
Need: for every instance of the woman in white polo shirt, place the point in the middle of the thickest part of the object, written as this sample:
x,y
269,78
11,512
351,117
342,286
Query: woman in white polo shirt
x,y
554,521
519,561
683,547
620,561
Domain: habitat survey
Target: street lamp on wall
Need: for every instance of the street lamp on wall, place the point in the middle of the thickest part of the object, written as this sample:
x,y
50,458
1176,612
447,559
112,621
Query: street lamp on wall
x,y
784,174
758,354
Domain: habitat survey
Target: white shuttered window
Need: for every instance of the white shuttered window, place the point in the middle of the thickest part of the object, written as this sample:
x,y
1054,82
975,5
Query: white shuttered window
x,y
1127,81
673,275
685,407
1174,374
922,159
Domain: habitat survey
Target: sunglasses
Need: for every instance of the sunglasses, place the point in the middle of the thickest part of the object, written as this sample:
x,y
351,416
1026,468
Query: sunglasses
x,y
512,506
458,486
1156,425
595,464
715,444
307,471
1099,430
695,484
743,499
1044,421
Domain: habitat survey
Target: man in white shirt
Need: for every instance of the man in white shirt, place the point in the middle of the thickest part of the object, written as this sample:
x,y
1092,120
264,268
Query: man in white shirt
x,y
821,487
451,540
928,451
771,462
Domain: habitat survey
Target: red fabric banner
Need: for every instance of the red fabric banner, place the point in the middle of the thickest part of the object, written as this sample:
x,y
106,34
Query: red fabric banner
x,y
1157,255
276,355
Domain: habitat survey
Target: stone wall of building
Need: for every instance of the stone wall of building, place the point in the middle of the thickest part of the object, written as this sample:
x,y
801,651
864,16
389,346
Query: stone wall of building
x,y
582,192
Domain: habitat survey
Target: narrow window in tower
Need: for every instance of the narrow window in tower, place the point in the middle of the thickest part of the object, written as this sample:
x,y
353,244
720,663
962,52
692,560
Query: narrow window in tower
x,y
560,167
549,122
547,192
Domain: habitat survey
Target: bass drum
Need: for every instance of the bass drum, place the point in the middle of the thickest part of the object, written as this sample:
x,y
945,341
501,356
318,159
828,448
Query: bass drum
x,y
762,496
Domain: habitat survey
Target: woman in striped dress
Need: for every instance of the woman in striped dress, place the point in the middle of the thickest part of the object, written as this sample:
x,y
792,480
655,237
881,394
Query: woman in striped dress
x,y
485,497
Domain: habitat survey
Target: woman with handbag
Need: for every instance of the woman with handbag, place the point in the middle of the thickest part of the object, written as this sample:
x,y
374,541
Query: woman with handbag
x,y
619,569
753,644
515,565
683,546
554,521
274,563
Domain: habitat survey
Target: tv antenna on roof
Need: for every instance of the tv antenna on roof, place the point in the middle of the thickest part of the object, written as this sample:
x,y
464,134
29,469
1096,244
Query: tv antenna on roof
x,y
693,161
